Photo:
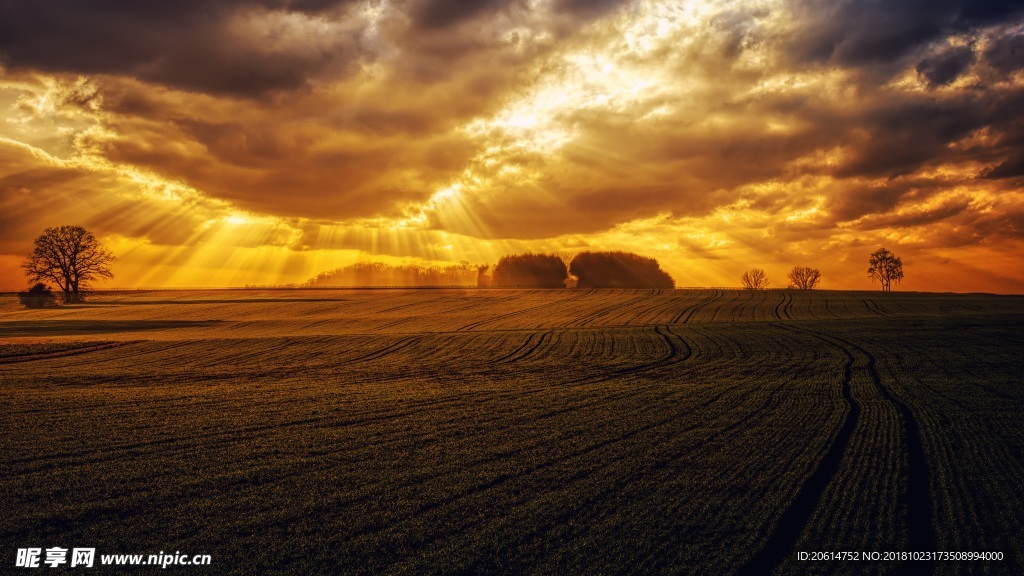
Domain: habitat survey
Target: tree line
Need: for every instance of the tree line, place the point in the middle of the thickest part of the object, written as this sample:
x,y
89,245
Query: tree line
x,y
381,274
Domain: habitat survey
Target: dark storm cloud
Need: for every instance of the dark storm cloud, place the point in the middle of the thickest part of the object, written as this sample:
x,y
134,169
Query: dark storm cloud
x,y
946,67
190,44
855,202
921,218
902,135
1006,54
444,13
862,32
440,14
1010,168
906,135
590,8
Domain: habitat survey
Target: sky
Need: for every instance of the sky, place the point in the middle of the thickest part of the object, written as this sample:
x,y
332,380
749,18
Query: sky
x,y
254,142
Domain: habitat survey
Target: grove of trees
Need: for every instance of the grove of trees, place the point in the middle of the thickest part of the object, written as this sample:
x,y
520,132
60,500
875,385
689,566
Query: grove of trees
x,y
530,271
885,267
71,257
804,278
618,270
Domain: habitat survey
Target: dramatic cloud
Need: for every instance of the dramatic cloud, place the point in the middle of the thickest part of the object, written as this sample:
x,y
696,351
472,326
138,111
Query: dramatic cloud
x,y
271,139
239,47
868,32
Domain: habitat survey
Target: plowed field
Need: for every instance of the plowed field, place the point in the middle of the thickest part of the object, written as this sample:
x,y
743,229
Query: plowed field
x,y
517,432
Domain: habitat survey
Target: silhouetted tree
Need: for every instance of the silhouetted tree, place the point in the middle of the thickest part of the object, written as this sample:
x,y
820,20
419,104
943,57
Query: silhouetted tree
x,y
885,267
618,270
530,271
804,278
754,279
71,257
38,296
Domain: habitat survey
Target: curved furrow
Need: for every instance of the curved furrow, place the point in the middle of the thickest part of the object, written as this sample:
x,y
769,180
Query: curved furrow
x,y
919,502
873,306
777,310
567,513
426,312
759,311
700,307
827,304
794,519
414,304
583,321
504,478
644,476
541,306
528,352
650,314
76,351
139,349
531,342
679,351
719,307
521,448
787,306
685,313
390,349
632,311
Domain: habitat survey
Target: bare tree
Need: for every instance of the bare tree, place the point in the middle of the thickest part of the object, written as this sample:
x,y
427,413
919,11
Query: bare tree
x,y
754,279
71,257
804,278
885,267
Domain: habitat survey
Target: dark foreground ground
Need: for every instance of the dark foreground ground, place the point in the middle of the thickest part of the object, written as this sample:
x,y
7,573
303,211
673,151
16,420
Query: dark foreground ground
x,y
517,432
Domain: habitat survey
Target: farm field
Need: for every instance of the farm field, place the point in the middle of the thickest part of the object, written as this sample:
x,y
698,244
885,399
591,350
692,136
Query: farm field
x,y
517,431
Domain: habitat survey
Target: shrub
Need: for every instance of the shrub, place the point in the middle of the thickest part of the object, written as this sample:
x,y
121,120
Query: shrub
x,y
38,296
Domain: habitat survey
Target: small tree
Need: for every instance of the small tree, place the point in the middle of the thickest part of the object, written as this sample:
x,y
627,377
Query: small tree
x,y
885,267
754,279
71,257
804,278
38,296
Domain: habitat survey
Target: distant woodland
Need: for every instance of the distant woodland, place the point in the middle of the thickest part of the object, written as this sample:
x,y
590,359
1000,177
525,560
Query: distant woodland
x,y
380,274
585,270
